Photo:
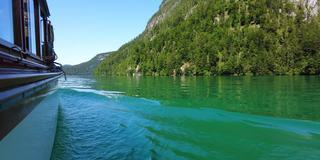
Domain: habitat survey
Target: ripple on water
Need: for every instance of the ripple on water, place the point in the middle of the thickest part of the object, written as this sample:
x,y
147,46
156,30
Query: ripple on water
x,y
97,124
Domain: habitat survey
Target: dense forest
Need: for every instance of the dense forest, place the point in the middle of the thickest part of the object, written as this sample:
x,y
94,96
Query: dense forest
x,y
224,37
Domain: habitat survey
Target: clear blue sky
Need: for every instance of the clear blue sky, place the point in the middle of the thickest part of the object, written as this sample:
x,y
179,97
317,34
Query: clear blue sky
x,y
84,28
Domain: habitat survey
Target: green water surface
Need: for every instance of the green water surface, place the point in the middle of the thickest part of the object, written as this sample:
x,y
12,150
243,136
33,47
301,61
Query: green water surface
x,y
205,118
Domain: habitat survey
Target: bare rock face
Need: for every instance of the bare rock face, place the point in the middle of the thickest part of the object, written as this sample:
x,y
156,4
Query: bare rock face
x,y
130,71
184,68
138,69
174,73
166,8
311,6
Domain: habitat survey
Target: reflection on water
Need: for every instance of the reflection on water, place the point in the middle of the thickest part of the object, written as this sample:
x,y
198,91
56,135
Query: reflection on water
x,y
291,97
188,118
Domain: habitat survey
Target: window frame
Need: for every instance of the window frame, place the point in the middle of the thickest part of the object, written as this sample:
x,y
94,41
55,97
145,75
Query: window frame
x,y
19,32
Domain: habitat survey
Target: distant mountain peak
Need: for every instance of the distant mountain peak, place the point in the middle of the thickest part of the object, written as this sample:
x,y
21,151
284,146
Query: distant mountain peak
x,y
85,68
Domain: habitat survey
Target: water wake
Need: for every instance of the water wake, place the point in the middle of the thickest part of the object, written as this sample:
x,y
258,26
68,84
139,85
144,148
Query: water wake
x,y
109,125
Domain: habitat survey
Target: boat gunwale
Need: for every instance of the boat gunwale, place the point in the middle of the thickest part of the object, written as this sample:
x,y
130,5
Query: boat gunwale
x,y
23,90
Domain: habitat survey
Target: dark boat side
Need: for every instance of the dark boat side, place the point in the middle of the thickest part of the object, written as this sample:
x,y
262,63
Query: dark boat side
x,y
27,59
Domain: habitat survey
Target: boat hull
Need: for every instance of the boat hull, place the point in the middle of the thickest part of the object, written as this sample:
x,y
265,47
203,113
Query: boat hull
x,y
33,137
28,119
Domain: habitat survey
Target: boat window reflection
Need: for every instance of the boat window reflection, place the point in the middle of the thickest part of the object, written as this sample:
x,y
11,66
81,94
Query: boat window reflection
x,y
30,27
6,19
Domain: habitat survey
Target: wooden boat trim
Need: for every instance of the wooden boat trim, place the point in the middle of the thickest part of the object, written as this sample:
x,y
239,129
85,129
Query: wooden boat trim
x,y
18,76
18,71
13,80
21,61
23,91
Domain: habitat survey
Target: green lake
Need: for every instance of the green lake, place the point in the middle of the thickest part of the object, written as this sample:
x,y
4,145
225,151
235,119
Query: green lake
x,y
189,118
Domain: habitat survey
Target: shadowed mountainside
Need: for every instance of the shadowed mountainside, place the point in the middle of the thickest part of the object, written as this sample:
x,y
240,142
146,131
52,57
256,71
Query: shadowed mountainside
x,y
85,68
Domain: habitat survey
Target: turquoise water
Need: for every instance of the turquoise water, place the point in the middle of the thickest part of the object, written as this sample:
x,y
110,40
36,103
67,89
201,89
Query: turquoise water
x,y
236,118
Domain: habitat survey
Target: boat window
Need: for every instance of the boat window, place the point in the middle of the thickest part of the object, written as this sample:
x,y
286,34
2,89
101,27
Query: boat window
x,y
6,21
33,27
41,30
30,26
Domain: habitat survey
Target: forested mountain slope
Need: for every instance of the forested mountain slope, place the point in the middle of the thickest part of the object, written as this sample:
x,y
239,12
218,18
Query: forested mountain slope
x,y
85,68
232,37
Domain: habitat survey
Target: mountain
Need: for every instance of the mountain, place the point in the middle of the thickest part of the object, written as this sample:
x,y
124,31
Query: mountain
x,y
224,37
85,68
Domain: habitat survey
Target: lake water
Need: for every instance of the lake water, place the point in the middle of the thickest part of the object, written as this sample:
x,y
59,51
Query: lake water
x,y
189,118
